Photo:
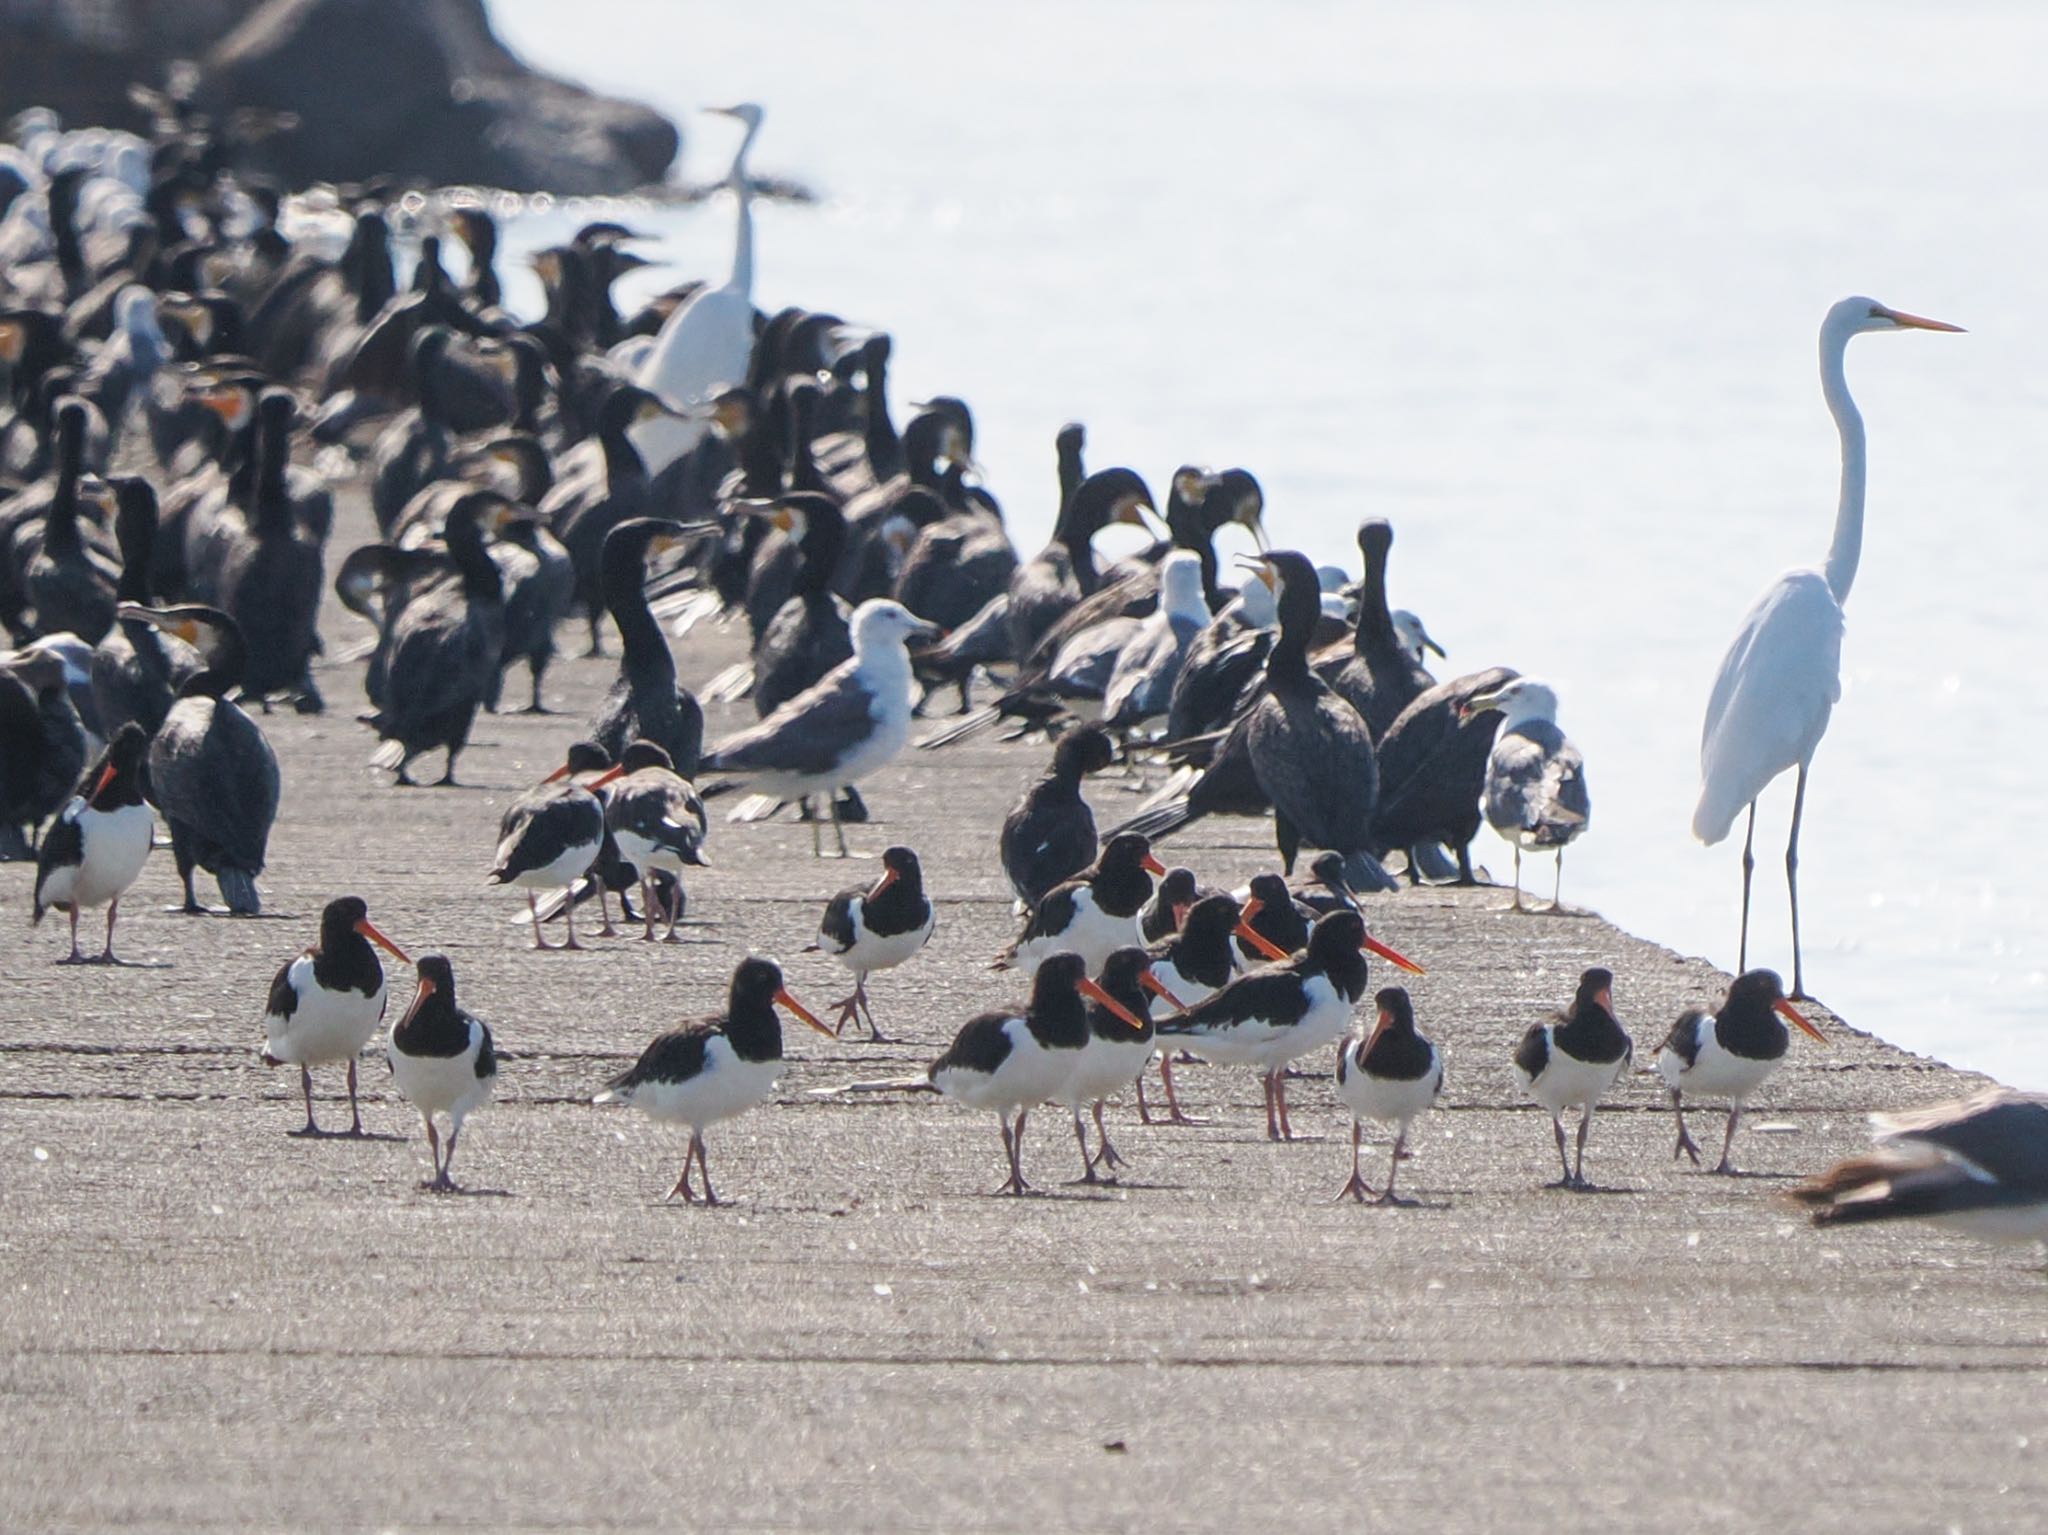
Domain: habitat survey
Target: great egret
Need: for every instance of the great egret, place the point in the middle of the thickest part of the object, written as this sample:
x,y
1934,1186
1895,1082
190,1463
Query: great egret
x,y
1781,677
707,344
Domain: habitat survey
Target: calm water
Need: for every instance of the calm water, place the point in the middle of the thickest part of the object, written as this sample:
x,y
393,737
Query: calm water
x,y
1541,286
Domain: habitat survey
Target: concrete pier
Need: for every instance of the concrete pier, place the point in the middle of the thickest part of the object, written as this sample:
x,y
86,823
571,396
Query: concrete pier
x,y
207,1325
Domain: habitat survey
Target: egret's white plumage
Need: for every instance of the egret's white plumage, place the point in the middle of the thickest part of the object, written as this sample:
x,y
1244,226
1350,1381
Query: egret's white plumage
x,y
1781,676
708,343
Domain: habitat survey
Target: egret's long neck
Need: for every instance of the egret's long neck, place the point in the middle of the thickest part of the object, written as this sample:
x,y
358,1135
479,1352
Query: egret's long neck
x,y
743,235
1847,548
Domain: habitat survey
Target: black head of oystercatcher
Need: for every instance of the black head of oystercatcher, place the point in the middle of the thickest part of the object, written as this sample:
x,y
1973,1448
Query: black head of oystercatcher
x,y
326,1003
1572,1060
1013,1058
877,927
715,1068
1390,1074
1194,964
1050,834
1094,914
1270,912
96,846
1729,1053
1162,915
443,1060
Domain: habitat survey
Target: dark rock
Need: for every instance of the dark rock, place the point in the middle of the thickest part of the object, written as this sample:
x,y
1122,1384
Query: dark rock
x,y
421,90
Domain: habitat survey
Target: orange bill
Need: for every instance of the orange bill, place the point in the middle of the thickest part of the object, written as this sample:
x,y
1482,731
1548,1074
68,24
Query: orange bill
x,y
1159,988
888,878
1095,993
106,777
1259,940
1154,866
364,927
418,1000
1379,1027
1792,1015
609,775
1180,914
1393,956
782,996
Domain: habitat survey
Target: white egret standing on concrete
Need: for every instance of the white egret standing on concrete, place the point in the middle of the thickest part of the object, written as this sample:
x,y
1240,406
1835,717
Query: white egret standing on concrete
x,y
1782,675
708,343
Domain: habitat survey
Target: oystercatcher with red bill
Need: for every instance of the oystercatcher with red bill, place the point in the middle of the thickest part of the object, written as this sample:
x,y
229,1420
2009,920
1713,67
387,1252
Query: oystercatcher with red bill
x,y
1115,1054
1162,916
877,927
1978,1165
1392,1075
1194,964
444,1062
1093,914
326,1004
1279,1012
1572,1060
657,822
98,843
715,1069
551,835
1729,1053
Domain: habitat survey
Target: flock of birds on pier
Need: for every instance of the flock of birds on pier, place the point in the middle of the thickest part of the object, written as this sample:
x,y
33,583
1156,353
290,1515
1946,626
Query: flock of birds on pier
x,y
186,359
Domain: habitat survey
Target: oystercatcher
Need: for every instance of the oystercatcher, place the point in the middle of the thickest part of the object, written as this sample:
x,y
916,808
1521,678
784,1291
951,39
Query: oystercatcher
x,y
1093,914
657,822
325,1004
1279,1012
716,1068
1162,915
1275,926
1978,1165
1013,1059
96,846
1391,1074
1115,1054
442,1059
876,927
1728,1053
550,836
1572,1060
1194,964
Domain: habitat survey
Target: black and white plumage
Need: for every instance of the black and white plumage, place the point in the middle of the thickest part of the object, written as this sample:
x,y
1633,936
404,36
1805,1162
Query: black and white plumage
x,y
1535,779
877,927
848,726
1277,1013
211,771
1194,963
1572,1060
1093,914
327,1002
657,823
1978,1165
443,1060
1728,1053
716,1068
1115,1055
1390,1074
1013,1059
550,835
1275,925
443,659
1049,835
96,847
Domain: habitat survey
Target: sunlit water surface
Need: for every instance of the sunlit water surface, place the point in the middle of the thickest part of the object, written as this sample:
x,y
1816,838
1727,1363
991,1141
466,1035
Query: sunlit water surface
x,y
1539,284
